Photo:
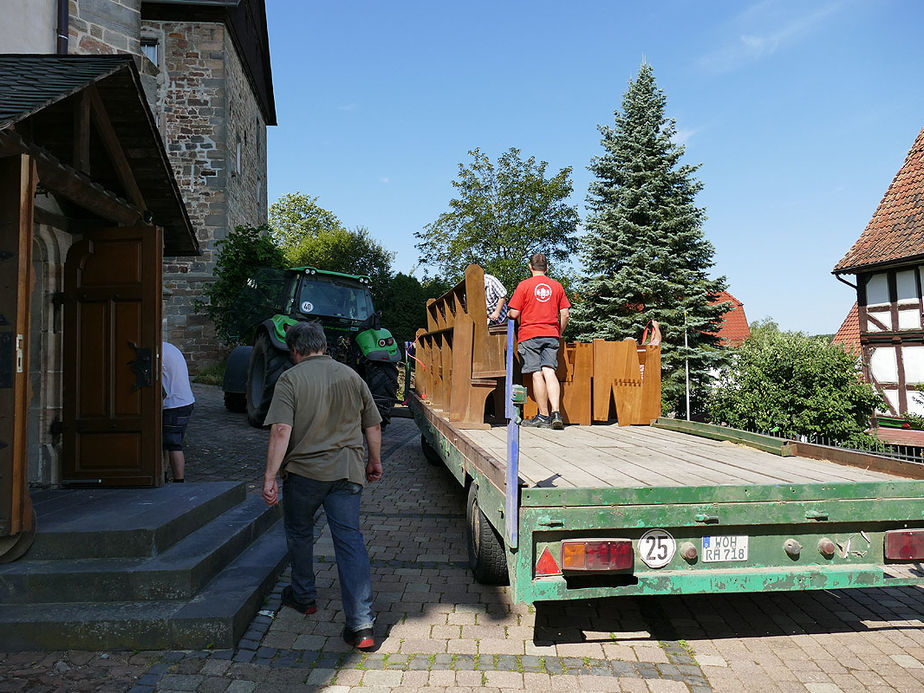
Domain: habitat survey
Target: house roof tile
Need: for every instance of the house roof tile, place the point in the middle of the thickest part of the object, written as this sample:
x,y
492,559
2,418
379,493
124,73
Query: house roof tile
x,y
849,332
896,231
735,326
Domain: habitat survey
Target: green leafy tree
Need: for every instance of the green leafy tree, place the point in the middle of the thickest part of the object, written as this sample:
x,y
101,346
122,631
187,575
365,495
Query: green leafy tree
x,y
312,235
503,213
645,255
241,256
794,384
404,304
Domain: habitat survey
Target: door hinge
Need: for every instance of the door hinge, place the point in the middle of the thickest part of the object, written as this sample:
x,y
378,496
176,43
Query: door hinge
x,y
56,428
57,299
19,353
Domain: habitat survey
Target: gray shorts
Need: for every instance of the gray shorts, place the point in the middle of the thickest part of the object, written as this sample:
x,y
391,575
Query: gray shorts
x,y
538,353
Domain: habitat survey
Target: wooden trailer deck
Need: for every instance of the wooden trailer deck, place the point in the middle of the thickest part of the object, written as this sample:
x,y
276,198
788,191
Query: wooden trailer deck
x,y
603,456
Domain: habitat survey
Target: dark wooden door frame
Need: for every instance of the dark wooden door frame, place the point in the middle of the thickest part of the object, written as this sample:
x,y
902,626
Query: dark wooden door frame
x,y
17,192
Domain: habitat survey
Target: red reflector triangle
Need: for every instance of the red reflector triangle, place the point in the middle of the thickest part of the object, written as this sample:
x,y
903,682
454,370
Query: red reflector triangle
x,y
547,565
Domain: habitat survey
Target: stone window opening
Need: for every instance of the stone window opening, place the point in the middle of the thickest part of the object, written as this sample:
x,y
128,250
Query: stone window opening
x,y
150,48
237,158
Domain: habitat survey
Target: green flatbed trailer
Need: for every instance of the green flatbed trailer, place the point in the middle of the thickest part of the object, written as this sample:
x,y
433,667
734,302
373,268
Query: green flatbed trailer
x,y
677,508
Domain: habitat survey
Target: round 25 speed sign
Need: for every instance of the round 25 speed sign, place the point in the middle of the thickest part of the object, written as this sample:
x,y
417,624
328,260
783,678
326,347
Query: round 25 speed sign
x,y
657,548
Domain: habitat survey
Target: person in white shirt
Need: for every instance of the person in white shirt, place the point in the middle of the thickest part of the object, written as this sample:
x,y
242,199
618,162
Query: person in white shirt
x,y
177,409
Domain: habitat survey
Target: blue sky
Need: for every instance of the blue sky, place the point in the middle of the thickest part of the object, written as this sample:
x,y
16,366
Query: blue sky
x,y
800,113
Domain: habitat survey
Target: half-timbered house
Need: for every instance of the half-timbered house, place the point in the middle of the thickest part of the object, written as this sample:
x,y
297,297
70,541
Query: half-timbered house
x,y
887,261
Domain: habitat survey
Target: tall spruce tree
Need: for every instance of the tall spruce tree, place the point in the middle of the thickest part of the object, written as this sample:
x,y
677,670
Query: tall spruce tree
x,y
645,256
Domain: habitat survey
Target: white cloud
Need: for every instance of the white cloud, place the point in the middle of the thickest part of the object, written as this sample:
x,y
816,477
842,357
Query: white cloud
x,y
385,179
347,107
764,29
682,136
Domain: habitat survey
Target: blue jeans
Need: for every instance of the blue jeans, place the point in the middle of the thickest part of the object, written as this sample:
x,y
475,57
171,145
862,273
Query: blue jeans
x,y
301,498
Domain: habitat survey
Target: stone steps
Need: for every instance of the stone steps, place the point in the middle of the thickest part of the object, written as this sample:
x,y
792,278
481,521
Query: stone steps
x,y
201,590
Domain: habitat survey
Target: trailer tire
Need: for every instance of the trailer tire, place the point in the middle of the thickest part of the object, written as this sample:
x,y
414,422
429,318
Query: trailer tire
x,y
487,556
267,363
431,455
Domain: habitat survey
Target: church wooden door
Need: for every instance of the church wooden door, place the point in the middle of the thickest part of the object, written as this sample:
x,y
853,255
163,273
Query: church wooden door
x,y
112,345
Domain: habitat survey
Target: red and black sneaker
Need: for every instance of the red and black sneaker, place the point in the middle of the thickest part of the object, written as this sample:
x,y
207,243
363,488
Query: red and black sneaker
x,y
288,599
360,639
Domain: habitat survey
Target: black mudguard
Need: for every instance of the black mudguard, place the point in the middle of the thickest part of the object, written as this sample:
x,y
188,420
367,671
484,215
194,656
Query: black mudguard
x,y
236,371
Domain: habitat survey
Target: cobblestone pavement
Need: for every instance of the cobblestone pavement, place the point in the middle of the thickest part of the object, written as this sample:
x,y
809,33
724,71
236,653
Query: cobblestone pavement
x,y
439,631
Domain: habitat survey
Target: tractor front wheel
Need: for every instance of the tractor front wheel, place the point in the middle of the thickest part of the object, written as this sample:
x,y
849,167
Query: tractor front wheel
x,y
382,379
267,363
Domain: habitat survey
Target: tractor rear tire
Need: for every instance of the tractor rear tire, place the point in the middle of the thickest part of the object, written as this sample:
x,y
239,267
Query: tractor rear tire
x,y
267,363
487,556
382,379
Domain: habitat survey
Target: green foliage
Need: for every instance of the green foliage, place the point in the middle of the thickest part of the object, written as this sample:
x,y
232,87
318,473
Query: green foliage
x,y
796,384
503,213
246,250
312,235
212,374
645,255
404,304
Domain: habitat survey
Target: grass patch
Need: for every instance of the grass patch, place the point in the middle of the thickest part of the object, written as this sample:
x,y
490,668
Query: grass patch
x,y
213,374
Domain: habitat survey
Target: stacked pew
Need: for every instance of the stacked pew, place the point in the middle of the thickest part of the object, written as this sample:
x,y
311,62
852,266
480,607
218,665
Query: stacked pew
x,y
461,362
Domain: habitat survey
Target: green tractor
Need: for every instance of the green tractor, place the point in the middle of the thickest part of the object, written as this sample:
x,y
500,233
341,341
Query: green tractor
x,y
342,304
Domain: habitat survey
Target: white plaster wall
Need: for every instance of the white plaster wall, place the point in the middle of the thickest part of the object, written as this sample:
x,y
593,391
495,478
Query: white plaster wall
x,y
877,290
883,365
892,397
916,403
27,26
906,287
913,360
884,318
909,319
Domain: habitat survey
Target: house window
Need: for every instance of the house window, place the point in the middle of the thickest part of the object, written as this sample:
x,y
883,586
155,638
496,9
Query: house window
x,y
149,48
237,161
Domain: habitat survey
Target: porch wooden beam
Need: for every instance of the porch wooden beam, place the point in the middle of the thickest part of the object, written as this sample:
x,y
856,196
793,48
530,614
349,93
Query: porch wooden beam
x,y
82,133
114,148
68,182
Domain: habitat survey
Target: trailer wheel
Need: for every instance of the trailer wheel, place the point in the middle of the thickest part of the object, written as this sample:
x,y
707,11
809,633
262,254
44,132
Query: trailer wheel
x,y
236,402
486,554
267,363
431,455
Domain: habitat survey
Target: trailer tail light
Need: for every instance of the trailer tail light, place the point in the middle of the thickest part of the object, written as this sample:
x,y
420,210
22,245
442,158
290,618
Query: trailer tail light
x,y
904,545
547,565
597,555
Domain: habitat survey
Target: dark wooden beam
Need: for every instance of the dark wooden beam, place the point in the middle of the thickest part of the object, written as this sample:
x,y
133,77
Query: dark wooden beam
x,y
68,182
82,132
114,148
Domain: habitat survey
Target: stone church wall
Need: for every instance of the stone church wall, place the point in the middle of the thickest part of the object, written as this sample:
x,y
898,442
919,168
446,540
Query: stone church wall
x,y
215,137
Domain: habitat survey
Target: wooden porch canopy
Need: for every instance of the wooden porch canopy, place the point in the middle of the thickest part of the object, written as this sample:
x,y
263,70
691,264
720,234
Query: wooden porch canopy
x,y
86,123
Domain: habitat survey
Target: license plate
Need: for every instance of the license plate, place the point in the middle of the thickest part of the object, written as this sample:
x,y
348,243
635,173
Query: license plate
x,y
729,548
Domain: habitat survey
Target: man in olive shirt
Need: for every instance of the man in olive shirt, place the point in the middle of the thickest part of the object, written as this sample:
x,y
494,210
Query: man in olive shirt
x,y
319,411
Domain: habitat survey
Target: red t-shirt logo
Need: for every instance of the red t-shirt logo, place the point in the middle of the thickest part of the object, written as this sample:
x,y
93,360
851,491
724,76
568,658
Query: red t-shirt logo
x,y
542,292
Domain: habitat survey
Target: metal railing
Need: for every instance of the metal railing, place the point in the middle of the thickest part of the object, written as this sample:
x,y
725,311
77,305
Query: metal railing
x,y
907,453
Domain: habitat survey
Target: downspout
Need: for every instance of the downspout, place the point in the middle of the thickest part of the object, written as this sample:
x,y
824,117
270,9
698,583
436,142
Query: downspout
x,y
63,26
840,279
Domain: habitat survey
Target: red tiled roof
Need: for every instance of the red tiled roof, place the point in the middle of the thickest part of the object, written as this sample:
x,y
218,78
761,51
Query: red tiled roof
x,y
849,332
896,231
735,328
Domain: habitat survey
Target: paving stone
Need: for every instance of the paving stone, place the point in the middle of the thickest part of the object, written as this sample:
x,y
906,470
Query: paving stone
x,y
180,682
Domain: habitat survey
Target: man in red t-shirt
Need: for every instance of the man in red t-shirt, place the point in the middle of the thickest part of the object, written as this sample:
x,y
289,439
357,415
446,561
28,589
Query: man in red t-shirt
x,y
542,307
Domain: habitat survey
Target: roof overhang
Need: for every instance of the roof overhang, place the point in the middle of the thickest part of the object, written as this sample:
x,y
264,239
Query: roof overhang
x,y
86,122
877,266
